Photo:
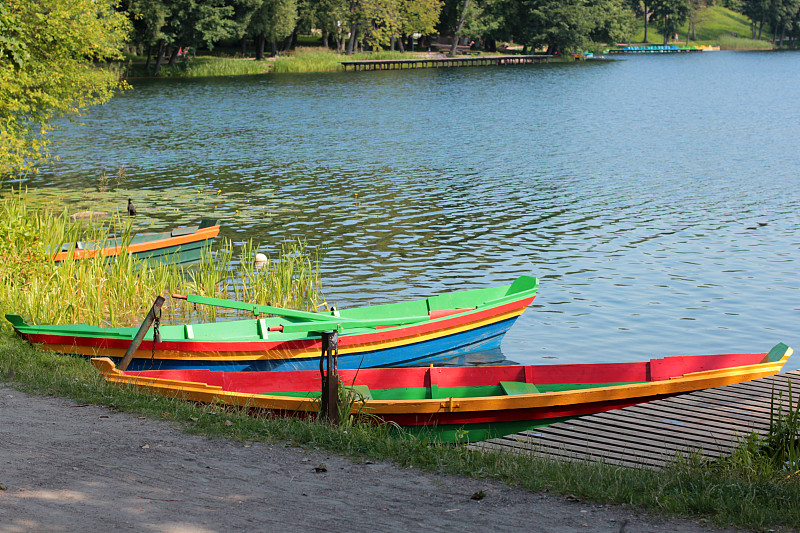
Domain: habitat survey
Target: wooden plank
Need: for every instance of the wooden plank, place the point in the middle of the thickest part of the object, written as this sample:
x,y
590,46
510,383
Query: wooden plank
x,y
636,423
693,415
573,453
667,446
710,422
576,452
743,403
705,410
662,437
695,403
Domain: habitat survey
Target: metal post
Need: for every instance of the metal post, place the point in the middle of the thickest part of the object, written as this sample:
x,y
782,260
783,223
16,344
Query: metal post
x,y
137,339
330,379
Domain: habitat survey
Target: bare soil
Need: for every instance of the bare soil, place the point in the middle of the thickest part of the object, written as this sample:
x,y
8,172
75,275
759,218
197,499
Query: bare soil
x,y
85,468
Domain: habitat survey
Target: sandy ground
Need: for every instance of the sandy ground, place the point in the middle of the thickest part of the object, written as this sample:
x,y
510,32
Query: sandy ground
x,y
68,467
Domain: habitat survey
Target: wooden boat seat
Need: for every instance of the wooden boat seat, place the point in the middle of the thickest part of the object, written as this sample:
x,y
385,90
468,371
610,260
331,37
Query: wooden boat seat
x,y
177,232
512,388
359,392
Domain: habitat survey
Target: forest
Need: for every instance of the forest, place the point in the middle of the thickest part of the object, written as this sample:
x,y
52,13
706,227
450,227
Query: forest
x,y
175,27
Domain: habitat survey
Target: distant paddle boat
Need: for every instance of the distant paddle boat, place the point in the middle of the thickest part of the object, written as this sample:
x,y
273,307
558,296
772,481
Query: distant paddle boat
x,y
462,403
181,245
442,326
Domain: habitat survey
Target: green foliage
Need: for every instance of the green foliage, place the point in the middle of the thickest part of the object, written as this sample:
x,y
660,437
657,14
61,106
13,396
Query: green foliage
x,y
48,55
198,23
118,292
321,60
669,16
715,25
275,19
783,441
207,66
564,26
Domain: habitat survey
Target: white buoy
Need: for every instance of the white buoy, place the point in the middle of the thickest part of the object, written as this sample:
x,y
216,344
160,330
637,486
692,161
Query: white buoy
x,y
260,260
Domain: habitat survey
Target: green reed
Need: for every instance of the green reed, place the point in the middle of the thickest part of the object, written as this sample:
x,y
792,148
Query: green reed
x,y
783,440
313,59
119,291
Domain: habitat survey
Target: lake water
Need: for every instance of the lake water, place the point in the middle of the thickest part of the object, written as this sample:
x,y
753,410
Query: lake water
x,y
655,197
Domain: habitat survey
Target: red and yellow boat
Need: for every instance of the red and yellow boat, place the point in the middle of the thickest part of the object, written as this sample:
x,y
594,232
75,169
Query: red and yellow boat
x,y
437,327
180,245
463,403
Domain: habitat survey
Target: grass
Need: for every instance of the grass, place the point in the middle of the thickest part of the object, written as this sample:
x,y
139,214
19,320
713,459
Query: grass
x,y
310,59
119,292
714,25
200,66
742,492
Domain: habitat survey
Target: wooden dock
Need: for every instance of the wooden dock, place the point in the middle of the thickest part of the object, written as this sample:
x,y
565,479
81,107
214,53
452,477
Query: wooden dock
x,y
445,62
709,422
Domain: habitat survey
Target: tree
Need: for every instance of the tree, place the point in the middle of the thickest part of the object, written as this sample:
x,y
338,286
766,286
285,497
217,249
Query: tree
x,y
642,7
329,16
758,12
273,21
49,54
567,25
670,16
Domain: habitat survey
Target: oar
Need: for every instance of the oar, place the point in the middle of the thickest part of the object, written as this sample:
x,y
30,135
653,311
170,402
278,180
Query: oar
x,y
321,321
255,308
340,323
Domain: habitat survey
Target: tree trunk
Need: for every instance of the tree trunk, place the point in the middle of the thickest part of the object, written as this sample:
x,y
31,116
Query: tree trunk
x,y
400,45
160,58
458,28
173,54
352,42
274,44
260,47
244,45
783,34
760,27
646,17
149,56
325,39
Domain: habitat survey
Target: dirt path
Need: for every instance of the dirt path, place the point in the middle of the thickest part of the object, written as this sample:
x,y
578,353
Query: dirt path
x,y
65,467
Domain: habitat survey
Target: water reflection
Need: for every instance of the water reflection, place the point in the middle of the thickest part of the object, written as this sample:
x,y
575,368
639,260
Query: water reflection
x,y
654,196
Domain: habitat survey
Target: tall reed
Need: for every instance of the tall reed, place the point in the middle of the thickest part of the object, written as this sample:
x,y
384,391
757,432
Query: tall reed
x,y
119,291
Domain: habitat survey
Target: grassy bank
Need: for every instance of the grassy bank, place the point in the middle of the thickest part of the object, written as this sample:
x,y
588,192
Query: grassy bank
x,y
302,59
716,26
746,491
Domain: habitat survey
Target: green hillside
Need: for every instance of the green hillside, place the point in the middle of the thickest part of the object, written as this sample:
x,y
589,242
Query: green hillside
x,y
715,26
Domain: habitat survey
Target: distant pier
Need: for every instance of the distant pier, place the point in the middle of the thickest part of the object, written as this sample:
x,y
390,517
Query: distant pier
x,y
445,62
710,423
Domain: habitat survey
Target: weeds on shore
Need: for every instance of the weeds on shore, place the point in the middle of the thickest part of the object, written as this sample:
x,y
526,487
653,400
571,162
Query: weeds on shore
x,y
729,493
119,291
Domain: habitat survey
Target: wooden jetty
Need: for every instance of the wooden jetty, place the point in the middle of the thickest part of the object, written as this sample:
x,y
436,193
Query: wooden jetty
x,y
709,422
444,62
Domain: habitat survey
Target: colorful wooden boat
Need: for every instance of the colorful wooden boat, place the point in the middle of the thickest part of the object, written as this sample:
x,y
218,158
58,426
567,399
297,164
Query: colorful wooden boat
x,y
440,326
181,245
459,403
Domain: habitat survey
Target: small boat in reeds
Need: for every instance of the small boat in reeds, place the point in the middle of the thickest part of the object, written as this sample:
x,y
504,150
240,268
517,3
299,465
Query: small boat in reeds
x,y
442,326
180,245
462,403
